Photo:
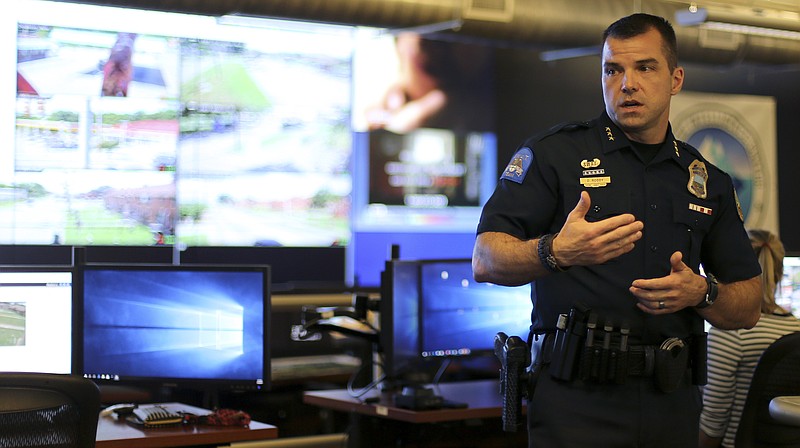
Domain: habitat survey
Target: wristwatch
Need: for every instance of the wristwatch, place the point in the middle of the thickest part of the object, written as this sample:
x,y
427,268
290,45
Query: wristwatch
x,y
545,252
712,291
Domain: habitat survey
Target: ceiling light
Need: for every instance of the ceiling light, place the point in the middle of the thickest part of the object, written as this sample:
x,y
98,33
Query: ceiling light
x,y
752,21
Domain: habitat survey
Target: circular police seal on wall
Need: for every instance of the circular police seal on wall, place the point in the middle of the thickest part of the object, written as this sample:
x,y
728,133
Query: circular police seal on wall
x,y
728,141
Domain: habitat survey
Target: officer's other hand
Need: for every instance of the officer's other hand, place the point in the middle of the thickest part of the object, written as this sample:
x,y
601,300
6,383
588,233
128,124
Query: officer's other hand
x,y
680,289
581,242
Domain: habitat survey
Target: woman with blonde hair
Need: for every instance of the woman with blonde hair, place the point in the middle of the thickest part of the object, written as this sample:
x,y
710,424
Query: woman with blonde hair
x,y
733,354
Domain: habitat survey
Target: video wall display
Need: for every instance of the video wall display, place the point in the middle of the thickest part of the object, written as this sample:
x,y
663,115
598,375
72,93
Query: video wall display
x,y
424,150
166,128
186,130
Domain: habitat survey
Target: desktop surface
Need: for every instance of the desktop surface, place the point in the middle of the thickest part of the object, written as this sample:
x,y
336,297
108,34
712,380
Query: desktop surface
x,y
785,409
113,433
482,399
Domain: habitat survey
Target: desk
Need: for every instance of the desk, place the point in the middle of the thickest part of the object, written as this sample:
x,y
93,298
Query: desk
x,y
785,410
112,433
482,398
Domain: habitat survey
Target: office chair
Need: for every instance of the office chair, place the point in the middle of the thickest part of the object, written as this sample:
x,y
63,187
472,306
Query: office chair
x,y
777,373
48,410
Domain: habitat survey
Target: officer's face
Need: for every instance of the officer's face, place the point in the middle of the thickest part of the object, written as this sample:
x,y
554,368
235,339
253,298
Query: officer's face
x,y
638,85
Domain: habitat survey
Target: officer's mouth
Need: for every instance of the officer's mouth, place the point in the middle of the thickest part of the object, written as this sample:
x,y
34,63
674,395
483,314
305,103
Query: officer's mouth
x,y
630,106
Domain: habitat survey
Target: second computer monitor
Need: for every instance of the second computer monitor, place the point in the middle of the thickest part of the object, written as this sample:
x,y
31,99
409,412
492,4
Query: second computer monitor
x,y
183,325
36,317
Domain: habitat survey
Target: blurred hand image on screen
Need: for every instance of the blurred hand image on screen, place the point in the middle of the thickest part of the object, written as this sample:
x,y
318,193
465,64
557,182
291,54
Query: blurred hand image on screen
x,y
416,95
438,84
118,69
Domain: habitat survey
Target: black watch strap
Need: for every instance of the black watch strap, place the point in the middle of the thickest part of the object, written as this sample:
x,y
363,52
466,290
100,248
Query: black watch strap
x,y
712,290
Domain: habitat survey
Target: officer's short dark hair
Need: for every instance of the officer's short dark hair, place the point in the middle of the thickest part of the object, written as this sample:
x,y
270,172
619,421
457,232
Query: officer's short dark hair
x,y
640,23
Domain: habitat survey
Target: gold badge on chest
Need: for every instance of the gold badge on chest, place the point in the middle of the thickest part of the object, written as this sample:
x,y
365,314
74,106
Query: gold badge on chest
x,y
592,175
698,179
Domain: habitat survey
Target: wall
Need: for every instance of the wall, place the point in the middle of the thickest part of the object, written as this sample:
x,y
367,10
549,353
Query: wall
x,y
533,95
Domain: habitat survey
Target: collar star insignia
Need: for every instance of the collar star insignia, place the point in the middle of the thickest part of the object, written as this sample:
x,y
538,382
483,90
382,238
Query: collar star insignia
x,y
609,134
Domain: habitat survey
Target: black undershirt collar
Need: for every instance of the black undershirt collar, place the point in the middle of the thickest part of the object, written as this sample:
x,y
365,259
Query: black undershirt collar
x,y
647,152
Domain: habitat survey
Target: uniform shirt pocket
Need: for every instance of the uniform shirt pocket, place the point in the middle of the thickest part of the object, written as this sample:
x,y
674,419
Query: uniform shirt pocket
x,y
693,219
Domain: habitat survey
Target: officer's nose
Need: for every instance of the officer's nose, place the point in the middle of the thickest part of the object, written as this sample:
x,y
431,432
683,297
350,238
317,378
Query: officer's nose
x,y
629,84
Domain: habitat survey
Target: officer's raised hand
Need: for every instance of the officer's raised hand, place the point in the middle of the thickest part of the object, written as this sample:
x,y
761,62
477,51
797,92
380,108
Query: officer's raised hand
x,y
581,242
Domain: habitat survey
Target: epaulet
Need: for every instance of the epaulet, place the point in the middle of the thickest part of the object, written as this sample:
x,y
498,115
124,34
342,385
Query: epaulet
x,y
567,126
690,149
523,158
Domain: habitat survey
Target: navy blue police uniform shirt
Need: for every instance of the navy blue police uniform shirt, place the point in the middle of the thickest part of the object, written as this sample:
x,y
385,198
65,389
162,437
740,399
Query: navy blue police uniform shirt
x,y
686,204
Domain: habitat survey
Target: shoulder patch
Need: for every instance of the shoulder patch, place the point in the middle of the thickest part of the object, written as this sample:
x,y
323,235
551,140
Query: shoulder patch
x,y
518,167
738,205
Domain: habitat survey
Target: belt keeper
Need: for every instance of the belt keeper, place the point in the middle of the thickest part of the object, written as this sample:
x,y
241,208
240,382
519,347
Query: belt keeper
x,y
649,360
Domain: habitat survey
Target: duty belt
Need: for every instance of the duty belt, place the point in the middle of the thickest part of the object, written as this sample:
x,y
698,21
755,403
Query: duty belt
x,y
581,347
641,360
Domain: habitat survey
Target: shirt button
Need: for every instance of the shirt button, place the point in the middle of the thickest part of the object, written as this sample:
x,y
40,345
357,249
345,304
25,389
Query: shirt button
x,y
653,248
596,209
653,206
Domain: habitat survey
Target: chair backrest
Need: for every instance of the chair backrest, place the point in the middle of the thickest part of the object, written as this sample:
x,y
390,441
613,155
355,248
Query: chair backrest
x,y
777,374
53,410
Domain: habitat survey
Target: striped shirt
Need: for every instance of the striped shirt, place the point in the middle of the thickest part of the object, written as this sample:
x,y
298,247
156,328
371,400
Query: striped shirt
x,y
732,358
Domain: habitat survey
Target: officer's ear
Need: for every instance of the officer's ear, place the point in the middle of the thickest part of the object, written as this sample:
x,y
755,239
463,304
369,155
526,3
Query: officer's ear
x,y
677,80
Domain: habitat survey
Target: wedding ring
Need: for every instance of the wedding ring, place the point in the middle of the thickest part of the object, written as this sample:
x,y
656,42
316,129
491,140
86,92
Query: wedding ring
x,y
661,305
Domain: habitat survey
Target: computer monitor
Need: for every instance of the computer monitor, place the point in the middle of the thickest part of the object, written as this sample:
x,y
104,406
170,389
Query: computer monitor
x,y
36,319
460,317
192,326
789,295
433,311
399,320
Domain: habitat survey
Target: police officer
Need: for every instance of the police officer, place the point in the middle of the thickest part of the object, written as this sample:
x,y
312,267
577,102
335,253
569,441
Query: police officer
x,y
650,209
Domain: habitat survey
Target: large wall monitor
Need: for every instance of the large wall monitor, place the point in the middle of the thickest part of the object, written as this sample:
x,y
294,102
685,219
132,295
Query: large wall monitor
x,y
196,131
135,127
424,148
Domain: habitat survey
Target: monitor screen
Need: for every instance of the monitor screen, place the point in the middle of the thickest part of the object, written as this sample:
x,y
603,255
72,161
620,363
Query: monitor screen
x,y
36,319
433,309
789,295
191,325
460,317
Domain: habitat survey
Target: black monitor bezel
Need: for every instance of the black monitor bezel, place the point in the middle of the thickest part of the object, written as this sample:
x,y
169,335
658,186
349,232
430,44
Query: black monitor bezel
x,y
394,364
203,384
